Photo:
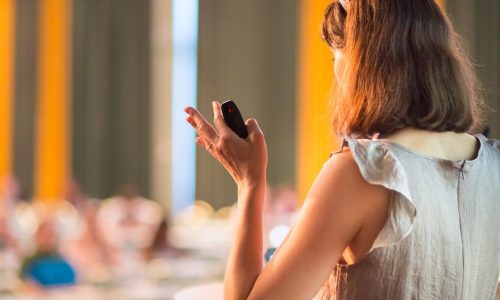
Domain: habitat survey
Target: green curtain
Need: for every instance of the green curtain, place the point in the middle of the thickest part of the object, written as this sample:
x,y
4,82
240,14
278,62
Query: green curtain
x,y
111,95
25,93
247,53
479,24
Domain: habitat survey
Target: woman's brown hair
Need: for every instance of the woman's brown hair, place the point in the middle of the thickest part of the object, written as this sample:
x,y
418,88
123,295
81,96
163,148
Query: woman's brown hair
x,y
403,66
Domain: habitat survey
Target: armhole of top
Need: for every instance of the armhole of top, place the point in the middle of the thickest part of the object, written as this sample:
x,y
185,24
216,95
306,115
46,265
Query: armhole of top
x,y
379,166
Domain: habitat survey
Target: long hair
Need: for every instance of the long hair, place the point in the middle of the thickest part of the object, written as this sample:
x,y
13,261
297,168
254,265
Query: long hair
x,y
403,66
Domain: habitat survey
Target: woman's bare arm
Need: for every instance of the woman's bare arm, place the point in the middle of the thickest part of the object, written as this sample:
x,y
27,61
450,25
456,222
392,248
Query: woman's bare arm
x,y
337,205
246,256
336,208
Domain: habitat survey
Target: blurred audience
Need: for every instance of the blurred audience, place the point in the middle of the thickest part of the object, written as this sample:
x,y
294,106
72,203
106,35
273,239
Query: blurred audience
x,y
280,212
119,240
9,255
7,241
159,245
46,267
85,245
280,205
129,223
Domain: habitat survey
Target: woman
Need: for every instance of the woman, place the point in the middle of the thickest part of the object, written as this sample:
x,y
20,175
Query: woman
x,y
408,208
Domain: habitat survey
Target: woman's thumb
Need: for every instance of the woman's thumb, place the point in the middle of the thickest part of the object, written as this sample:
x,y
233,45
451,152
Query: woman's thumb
x,y
252,127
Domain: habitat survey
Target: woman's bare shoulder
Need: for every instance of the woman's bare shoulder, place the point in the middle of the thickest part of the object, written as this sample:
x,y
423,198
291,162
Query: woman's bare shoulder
x,y
341,178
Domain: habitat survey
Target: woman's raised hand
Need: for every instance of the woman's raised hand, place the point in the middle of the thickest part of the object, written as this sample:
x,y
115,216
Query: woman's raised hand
x,y
244,159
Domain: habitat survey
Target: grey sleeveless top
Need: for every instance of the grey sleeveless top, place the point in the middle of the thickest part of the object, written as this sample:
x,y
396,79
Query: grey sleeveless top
x,y
442,237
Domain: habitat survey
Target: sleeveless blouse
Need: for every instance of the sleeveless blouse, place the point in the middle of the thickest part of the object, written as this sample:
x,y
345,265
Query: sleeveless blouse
x,y
442,236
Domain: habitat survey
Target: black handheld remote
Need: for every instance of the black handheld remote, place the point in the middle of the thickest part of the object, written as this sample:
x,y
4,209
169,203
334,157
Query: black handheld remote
x,y
233,119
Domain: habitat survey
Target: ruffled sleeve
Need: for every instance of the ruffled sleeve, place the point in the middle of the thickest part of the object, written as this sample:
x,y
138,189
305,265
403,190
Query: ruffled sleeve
x,y
378,165
492,142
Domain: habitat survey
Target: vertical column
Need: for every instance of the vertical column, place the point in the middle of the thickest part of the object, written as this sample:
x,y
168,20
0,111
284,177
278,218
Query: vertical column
x,y
7,15
161,91
54,79
315,77
184,92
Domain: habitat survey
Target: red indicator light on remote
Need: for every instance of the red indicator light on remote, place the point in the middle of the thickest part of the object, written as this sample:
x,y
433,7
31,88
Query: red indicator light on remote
x,y
230,110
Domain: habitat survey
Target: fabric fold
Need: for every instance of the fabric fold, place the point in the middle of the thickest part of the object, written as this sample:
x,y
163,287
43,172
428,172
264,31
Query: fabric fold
x,y
379,166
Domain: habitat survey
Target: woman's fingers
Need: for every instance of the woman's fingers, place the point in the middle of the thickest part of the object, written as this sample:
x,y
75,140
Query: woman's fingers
x,y
205,144
205,129
253,129
219,122
190,120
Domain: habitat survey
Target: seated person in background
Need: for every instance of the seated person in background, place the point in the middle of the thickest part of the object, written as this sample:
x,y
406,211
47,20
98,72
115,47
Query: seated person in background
x,y
47,267
129,222
9,256
7,240
81,241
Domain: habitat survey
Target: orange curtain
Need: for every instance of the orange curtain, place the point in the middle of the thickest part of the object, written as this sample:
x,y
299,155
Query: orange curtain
x,y
54,78
315,78
7,16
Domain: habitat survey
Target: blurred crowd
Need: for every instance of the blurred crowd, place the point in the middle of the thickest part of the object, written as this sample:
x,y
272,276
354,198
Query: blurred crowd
x,y
77,240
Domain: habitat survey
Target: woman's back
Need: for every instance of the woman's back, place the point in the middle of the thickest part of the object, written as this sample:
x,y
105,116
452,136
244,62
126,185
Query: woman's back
x,y
441,237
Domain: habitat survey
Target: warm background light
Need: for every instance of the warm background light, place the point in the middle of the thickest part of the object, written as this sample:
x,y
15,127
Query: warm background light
x,y
54,83
7,13
315,78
